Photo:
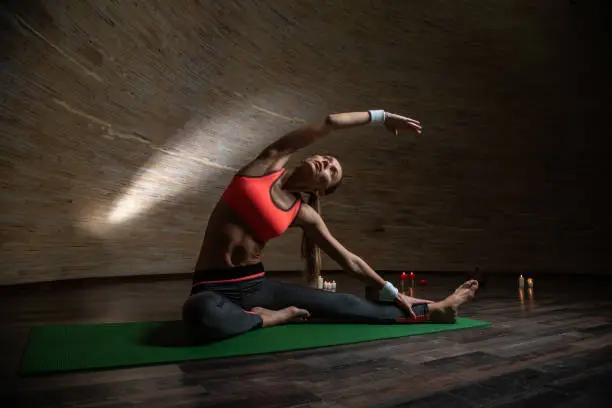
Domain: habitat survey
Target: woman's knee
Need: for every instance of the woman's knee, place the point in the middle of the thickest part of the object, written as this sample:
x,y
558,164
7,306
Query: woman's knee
x,y
203,308
332,304
346,303
211,316
351,306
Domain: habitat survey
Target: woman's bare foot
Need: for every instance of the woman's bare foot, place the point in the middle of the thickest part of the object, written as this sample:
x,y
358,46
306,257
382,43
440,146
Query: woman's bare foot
x,y
463,293
276,317
446,311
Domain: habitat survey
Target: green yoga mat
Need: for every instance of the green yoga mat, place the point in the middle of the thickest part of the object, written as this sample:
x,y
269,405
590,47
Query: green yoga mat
x,y
102,346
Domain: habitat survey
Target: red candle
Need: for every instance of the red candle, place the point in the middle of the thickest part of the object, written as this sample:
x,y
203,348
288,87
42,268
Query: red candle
x,y
412,275
403,276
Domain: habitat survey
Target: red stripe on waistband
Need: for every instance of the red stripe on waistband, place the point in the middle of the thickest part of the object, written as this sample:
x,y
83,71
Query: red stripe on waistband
x,y
257,275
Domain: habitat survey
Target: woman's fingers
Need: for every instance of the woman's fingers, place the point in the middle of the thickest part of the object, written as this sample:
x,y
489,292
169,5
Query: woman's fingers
x,y
415,125
412,314
416,122
423,301
406,306
395,123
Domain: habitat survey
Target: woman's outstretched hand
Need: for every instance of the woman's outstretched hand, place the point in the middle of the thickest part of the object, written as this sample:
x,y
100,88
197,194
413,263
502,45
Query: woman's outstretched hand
x,y
406,302
394,123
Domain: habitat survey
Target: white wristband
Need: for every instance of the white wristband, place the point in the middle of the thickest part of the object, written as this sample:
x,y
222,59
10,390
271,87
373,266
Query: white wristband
x,y
388,293
377,116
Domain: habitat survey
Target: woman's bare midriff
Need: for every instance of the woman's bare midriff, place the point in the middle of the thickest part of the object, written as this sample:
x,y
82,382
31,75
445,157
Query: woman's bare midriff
x,y
228,242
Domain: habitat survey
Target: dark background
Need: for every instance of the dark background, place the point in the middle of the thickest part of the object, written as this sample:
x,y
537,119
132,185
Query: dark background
x,y
121,123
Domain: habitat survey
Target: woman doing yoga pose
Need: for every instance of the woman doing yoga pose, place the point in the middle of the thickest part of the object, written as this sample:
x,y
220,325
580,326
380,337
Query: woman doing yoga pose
x,y
230,294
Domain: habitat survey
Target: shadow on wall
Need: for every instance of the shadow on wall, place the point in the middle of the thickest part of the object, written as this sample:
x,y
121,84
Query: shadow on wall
x,y
178,185
175,169
88,128
201,154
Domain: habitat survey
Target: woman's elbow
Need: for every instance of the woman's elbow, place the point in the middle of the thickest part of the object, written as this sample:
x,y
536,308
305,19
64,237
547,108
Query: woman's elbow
x,y
329,124
353,263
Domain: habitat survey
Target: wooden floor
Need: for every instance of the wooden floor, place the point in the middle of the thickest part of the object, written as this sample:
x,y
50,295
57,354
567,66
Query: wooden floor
x,y
552,349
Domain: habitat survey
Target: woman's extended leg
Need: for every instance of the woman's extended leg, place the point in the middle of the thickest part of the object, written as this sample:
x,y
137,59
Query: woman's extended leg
x,y
276,295
350,308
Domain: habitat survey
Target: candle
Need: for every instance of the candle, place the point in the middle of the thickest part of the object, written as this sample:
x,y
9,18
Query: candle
x,y
530,283
412,276
521,282
403,277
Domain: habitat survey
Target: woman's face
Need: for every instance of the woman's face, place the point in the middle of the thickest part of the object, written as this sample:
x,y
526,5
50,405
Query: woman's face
x,y
320,173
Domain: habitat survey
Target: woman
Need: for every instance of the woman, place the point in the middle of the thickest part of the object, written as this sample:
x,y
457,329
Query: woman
x,y
230,293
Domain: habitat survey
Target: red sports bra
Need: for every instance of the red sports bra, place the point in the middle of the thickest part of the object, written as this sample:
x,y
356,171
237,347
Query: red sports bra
x,y
251,199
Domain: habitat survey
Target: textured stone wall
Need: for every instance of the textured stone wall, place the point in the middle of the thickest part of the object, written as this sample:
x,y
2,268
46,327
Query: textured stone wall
x,y
123,120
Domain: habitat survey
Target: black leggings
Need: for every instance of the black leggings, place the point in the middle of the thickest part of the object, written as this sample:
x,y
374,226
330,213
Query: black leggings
x,y
219,308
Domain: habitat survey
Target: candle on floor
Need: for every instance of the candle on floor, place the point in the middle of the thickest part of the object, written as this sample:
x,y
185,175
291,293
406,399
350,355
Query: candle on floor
x,y
403,277
521,282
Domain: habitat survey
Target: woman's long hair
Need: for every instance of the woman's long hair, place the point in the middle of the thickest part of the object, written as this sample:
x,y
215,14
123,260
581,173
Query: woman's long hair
x,y
310,252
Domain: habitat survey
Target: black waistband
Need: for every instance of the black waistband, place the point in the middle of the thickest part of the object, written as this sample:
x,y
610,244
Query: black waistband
x,y
238,272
